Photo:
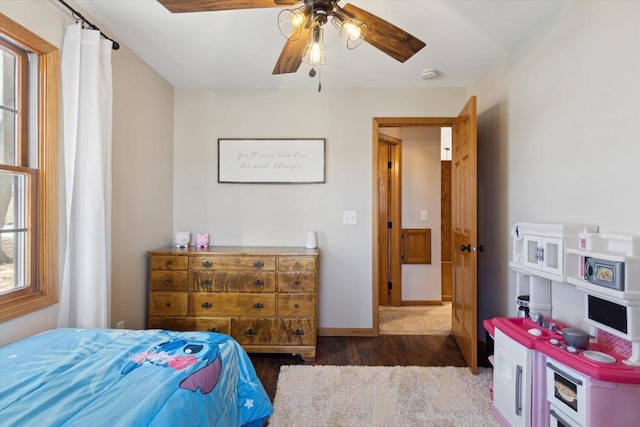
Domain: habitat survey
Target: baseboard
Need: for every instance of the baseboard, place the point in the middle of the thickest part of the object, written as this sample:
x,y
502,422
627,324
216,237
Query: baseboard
x,y
447,298
345,332
421,303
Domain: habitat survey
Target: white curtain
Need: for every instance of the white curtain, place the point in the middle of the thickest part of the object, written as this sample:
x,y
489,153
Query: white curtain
x,y
87,100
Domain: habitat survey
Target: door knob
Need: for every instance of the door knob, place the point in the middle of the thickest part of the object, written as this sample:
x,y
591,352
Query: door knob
x,y
470,248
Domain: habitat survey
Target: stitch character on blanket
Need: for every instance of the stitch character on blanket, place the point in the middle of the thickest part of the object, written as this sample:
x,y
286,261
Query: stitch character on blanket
x,y
182,352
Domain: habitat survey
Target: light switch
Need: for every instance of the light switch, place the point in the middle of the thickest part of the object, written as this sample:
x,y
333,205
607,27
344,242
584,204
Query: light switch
x,y
424,215
349,217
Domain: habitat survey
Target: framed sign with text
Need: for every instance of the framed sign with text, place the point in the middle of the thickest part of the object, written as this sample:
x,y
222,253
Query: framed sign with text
x,y
271,161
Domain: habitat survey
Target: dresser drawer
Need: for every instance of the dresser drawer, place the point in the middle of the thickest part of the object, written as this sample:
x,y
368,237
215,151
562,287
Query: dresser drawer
x,y
232,263
205,281
297,263
222,326
172,304
296,305
168,262
251,281
274,331
296,281
168,280
233,281
242,305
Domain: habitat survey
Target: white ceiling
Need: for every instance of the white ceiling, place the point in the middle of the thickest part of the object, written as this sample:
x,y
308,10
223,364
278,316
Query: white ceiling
x,y
239,48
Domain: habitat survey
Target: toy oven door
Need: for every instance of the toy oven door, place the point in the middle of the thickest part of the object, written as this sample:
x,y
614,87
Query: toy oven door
x,y
567,391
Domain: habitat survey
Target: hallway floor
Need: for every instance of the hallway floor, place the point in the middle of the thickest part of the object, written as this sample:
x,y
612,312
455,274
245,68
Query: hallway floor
x,y
416,320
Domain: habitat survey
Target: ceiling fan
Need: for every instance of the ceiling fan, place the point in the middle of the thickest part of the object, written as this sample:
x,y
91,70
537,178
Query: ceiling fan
x,y
302,26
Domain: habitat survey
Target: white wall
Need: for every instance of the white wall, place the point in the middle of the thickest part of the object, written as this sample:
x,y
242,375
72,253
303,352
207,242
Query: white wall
x,y
559,140
242,214
142,171
142,214
421,191
558,127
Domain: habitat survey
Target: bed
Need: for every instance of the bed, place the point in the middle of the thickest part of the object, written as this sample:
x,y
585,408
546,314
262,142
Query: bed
x,y
116,377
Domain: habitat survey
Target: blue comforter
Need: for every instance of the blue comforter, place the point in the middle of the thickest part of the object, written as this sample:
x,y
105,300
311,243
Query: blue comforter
x,y
115,377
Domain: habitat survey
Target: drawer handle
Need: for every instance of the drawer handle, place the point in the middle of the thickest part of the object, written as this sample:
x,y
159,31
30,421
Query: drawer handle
x,y
250,333
297,333
168,282
207,282
168,304
207,264
258,283
258,306
296,306
296,283
258,264
207,305
168,262
214,330
296,265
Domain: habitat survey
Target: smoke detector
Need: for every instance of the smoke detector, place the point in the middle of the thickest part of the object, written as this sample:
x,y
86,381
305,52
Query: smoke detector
x,y
429,74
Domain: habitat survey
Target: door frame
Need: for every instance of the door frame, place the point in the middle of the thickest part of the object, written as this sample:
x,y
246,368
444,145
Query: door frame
x,y
377,123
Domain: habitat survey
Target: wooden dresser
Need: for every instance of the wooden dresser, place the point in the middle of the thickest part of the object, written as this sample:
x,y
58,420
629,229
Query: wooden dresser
x,y
265,297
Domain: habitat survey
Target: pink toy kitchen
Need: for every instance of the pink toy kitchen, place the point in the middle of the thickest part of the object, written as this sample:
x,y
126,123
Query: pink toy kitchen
x,y
547,372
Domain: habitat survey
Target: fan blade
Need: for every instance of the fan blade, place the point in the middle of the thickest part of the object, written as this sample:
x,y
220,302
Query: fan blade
x,y
387,37
182,6
291,55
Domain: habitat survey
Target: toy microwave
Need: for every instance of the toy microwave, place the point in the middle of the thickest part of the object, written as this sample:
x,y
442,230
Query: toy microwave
x,y
609,274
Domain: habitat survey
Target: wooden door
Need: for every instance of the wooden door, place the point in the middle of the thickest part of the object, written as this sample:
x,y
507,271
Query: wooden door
x,y
465,232
384,242
389,238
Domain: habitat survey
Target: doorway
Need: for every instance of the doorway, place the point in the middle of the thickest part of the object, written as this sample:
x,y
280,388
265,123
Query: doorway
x,y
464,169
412,232
390,122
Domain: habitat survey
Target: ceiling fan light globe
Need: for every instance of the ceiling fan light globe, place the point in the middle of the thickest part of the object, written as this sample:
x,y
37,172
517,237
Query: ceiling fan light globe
x,y
314,52
314,56
352,32
299,16
291,22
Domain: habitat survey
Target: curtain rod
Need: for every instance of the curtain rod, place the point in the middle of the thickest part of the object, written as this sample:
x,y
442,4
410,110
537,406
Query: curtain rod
x,y
77,15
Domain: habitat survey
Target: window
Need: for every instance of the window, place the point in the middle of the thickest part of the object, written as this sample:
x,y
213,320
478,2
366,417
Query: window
x,y
28,171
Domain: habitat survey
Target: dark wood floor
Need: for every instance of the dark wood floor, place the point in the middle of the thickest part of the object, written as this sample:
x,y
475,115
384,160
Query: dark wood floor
x,y
384,350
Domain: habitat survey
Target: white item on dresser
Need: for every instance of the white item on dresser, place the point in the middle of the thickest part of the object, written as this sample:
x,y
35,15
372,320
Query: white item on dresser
x,y
312,240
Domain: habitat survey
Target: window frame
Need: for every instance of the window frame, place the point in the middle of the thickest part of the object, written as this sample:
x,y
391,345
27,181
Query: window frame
x,y
43,188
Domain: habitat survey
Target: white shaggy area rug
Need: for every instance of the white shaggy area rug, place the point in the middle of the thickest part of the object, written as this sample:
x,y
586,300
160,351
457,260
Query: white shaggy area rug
x,y
416,320
372,396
